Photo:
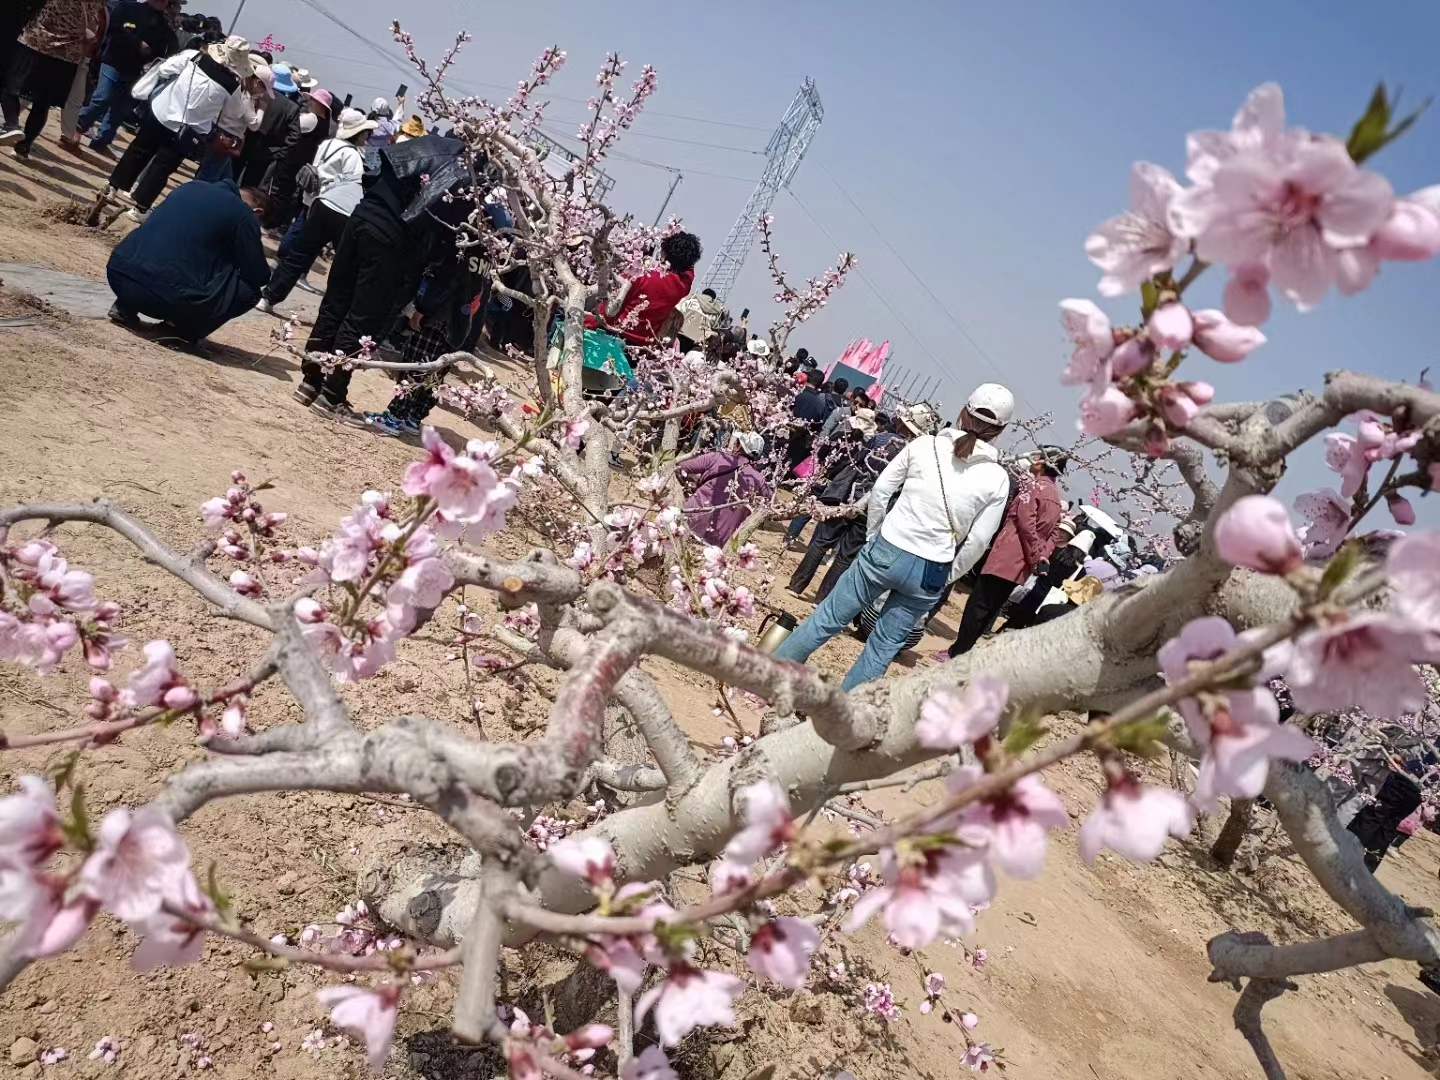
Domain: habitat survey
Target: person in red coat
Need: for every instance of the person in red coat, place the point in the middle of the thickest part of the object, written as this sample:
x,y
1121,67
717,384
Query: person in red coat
x,y
1022,547
647,303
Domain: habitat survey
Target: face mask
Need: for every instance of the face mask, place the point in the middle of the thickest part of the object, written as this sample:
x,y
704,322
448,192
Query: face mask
x,y
308,121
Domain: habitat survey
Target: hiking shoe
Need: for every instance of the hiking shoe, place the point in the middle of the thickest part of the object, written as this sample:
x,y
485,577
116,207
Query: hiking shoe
x,y
123,317
136,215
306,394
11,136
340,412
386,424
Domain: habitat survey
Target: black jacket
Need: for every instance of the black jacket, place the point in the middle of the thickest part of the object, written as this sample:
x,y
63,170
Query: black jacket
x,y
133,23
196,247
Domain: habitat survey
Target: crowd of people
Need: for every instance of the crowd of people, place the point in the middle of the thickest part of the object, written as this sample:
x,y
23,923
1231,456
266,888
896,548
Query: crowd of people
x,y
276,154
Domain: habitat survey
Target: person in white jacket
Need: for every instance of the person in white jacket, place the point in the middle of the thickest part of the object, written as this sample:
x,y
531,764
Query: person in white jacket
x,y
187,93
340,170
951,499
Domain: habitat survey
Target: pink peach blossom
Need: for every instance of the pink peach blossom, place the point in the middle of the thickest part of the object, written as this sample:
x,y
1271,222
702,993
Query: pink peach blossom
x,y
1365,661
1171,326
1238,760
950,720
1413,569
138,863
1329,521
29,824
767,823
368,1013
1104,411
781,950
1220,339
1256,533
1138,244
1134,820
1089,330
1347,456
1293,204
1247,298
1412,231
650,1064
930,893
588,857
1400,508
149,683
1011,827
687,999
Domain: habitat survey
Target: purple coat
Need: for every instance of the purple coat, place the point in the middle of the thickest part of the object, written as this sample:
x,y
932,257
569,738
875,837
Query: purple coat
x,y
724,480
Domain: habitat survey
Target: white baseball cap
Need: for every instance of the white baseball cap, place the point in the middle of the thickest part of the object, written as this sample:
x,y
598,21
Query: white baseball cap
x,y
992,402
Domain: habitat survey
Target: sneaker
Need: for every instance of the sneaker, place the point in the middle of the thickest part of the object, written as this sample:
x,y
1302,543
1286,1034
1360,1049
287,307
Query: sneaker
x,y
122,197
411,427
304,283
176,343
306,394
267,308
70,146
105,152
22,150
122,317
385,424
340,412
135,214
11,136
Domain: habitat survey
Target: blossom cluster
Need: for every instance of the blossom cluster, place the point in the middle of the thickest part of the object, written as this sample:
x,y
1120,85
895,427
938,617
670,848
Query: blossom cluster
x,y
1280,208
46,609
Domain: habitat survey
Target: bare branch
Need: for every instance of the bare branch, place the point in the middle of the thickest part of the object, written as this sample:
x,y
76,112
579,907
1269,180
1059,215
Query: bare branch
x,y
189,569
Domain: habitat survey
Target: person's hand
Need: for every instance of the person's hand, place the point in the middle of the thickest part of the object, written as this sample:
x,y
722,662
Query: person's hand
x,y
415,320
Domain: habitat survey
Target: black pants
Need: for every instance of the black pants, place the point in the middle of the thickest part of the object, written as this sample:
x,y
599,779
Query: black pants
x,y
157,152
846,536
360,301
193,322
323,225
986,600
48,79
1376,825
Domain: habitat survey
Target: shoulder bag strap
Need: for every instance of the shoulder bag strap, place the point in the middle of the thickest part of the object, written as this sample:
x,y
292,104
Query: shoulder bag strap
x,y
940,479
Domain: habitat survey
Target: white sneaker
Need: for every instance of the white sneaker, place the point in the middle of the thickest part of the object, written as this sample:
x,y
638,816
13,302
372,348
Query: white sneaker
x,y
11,136
137,215
268,308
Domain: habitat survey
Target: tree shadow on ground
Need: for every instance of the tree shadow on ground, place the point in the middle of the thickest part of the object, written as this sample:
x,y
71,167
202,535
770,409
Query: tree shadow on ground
x,y
1421,1010
437,1053
273,364
1235,896
53,169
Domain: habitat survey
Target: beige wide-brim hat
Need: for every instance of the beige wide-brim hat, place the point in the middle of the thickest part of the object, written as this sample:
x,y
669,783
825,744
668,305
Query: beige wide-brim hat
x,y
863,421
919,419
234,53
352,123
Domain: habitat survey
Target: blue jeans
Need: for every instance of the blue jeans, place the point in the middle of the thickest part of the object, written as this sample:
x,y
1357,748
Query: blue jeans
x,y
111,100
797,527
914,585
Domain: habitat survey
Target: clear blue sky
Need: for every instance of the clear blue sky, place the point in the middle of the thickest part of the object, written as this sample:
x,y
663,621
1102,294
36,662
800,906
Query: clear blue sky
x,y
980,142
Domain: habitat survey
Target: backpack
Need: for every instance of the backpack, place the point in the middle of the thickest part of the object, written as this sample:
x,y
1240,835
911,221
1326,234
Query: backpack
x,y
307,177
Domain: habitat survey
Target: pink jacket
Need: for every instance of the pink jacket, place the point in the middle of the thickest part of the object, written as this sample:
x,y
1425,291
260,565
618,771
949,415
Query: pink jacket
x,y
1028,533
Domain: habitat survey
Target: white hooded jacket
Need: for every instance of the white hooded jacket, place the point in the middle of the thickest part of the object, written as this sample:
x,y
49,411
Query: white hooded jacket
x,y
975,488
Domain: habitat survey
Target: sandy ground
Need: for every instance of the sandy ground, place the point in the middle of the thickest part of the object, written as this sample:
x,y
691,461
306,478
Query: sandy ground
x,y
1092,973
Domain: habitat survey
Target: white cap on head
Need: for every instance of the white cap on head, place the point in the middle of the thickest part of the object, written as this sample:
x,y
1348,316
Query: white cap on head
x,y
751,443
992,402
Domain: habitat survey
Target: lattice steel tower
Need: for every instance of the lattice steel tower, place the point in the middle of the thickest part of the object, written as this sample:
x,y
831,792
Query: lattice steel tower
x,y
783,155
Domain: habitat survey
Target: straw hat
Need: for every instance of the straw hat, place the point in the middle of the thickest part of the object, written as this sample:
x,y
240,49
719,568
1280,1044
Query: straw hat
x,y
413,128
234,53
305,80
352,122
919,419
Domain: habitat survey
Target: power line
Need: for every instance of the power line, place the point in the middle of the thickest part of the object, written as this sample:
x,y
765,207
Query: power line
x,y
928,292
878,294
407,69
